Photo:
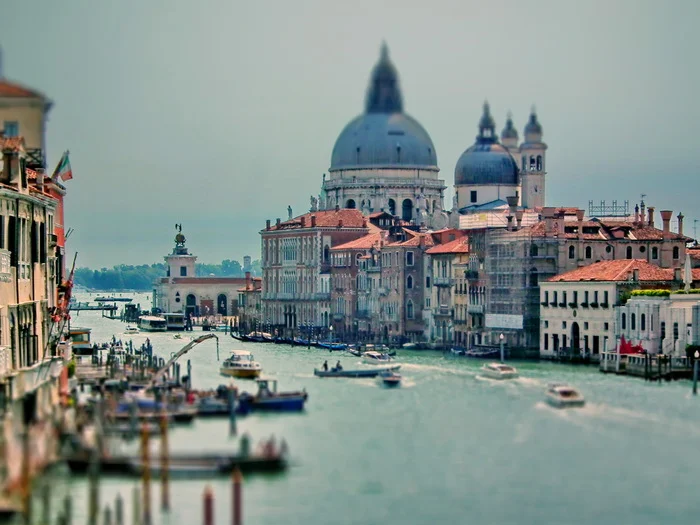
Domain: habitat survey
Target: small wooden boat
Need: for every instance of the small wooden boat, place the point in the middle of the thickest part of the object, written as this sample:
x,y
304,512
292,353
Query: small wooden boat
x,y
390,378
564,396
269,399
372,372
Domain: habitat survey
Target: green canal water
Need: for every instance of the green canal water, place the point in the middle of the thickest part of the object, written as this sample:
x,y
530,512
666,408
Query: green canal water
x,y
448,446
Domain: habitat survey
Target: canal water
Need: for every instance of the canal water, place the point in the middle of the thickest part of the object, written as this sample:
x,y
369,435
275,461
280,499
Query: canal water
x,y
448,446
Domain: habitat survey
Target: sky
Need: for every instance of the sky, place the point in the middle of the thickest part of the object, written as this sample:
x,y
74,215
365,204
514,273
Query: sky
x,y
219,114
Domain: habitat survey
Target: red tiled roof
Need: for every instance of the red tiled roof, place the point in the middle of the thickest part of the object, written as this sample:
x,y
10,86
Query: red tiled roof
x,y
619,270
460,245
417,239
351,218
11,89
694,253
204,280
11,143
608,230
363,243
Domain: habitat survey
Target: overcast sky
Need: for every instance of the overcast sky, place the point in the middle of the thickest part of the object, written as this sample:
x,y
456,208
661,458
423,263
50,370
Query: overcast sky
x,y
220,113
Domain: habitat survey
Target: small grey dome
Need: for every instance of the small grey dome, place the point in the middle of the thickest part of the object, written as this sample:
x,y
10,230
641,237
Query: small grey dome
x,y
487,161
384,136
509,132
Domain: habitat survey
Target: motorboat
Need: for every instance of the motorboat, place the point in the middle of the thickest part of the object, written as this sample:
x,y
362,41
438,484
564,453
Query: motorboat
x,y
241,364
80,341
211,406
564,396
376,358
269,399
457,351
482,354
499,371
131,330
390,378
368,372
153,323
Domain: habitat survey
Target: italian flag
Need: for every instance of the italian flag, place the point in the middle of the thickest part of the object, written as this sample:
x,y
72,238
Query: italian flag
x,y
63,169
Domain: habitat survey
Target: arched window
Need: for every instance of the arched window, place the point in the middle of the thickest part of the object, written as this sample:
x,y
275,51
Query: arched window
x,y
409,282
624,321
643,322
357,259
572,252
524,162
350,204
539,162
409,309
654,252
392,206
589,252
533,250
629,252
676,252
533,277
407,210
326,254
532,163
633,321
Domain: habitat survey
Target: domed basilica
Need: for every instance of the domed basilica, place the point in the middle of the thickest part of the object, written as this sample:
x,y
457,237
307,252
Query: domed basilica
x,y
384,160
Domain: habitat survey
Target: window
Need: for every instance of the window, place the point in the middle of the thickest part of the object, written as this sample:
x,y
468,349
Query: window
x,y
546,297
575,300
409,282
606,326
589,252
663,331
624,321
605,297
427,302
563,324
654,252
629,252
11,128
533,250
633,321
539,162
409,258
585,297
409,309
585,326
546,341
427,281
183,271
675,331
472,196
350,204
572,252
546,324
676,252
563,298
555,298
643,322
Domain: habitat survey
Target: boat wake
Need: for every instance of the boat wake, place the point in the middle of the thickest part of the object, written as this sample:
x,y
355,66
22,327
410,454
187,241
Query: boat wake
x,y
440,369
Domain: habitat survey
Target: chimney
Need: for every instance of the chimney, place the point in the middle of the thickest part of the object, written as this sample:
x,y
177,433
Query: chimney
x,y
510,223
364,222
677,274
636,213
635,275
303,221
340,223
40,179
579,217
313,221
642,215
337,207
278,221
651,217
519,218
548,214
666,218
267,224
680,224
247,279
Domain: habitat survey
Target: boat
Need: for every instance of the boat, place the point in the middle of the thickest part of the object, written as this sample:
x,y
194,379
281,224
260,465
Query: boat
x,y
409,346
241,364
390,378
131,330
177,336
499,371
376,358
458,351
174,321
371,372
212,406
564,396
482,354
221,327
331,346
80,340
152,323
111,299
268,398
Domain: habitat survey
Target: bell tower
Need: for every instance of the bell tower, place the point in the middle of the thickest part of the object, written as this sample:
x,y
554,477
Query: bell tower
x,y
532,169
180,262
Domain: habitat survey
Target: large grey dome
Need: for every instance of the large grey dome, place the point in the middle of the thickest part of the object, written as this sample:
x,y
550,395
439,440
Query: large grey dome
x,y
384,136
487,161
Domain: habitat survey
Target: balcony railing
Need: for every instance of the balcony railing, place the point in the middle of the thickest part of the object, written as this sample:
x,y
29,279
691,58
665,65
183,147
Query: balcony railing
x,y
5,273
5,361
443,281
35,158
475,308
444,310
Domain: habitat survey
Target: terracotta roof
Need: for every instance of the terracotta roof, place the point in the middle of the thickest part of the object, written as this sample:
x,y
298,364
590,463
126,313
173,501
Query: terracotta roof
x,y
602,230
351,218
417,240
204,280
460,245
694,253
11,89
363,243
619,270
11,143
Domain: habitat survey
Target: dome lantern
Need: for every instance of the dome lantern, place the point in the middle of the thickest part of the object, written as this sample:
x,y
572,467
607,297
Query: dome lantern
x,y
533,128
509,135
383,93
487,127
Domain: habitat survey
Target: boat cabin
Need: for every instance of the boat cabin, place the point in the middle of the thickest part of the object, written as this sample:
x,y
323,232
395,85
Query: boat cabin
x,y
152,323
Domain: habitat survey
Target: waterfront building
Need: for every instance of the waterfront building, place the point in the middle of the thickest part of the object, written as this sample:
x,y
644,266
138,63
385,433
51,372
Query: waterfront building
x,y
384,160
296,267
449,262
182,291
250,304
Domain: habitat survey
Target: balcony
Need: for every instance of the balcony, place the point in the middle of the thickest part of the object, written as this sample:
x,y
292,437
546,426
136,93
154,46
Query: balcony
x,y
5,273
471,274
5,361
338,317
443,281
35,159
443,311
594,305
475,308
374,268
322,296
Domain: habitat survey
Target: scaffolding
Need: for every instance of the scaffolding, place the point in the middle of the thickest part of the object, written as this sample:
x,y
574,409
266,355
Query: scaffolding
x,y
515,263
604,210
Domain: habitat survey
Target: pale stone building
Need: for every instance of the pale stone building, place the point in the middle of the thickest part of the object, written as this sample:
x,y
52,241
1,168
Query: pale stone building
x,y
250,305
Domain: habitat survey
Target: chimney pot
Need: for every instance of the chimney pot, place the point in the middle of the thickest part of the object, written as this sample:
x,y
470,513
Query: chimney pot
x,y
677,274
267,224
680,224
510,223
519,218
635,275
278,221
303,221
666,218
651,216
313,221
364,222
337,207
512,201
340,223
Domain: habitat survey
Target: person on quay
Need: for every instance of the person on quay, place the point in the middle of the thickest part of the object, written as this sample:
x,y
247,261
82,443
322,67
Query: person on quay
x,y
325,366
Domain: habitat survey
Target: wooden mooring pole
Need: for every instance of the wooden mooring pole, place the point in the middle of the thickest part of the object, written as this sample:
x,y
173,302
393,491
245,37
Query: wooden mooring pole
x,y
208,506
237,502
146,474
164,463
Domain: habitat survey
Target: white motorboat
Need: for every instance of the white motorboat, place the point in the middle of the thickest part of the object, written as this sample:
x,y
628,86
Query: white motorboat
x,y
241,364
376,358
131,330
564,396
499,371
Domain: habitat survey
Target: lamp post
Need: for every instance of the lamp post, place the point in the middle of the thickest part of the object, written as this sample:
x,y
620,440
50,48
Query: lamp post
x,y
501,337
330,331
695,373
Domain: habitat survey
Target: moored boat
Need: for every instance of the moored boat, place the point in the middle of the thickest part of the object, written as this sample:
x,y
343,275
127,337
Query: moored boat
x,y
376,358
152,323
268,398
371,372
482,354
499,371
131,330
564,396
241,364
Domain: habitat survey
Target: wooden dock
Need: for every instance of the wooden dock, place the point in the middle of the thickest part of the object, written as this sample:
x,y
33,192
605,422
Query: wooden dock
x,y
648,366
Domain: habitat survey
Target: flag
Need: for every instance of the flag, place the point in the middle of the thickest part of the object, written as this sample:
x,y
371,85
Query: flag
x,y
63,169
